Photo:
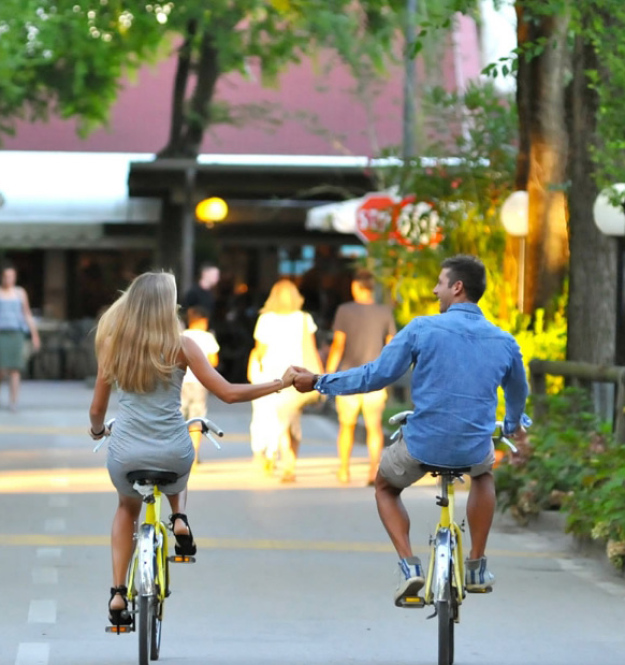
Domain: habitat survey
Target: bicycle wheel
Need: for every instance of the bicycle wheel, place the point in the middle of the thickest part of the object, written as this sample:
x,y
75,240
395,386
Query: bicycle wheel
x,y
446,612
146,606
155,632
157,613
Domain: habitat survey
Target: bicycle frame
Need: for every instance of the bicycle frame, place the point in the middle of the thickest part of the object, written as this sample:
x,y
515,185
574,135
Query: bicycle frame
x,y
447,542
145,578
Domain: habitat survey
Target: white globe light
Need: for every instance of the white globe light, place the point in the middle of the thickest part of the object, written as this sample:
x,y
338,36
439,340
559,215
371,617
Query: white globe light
x,y
610,219
514,213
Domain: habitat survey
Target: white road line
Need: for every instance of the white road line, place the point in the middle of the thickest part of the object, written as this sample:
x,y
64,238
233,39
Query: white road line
x,y
32,653
42,611
49,552
45,575
58,501
55,525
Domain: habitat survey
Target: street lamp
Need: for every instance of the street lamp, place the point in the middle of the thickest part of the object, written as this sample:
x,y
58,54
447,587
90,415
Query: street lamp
x,y
609,215
514,217
211,210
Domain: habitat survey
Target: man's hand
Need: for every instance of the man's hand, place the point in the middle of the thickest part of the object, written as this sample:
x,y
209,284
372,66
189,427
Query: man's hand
x,y
304,381
522,442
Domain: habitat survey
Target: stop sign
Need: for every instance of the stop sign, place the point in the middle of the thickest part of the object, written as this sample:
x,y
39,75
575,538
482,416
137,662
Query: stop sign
x,y
378,215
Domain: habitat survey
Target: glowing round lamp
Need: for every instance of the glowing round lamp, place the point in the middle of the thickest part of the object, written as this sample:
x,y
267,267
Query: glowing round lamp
x,y
514,213
211,210
610,218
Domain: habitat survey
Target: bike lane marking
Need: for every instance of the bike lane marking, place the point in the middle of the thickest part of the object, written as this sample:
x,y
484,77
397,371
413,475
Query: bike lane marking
x,y
33,653
49,541
42,611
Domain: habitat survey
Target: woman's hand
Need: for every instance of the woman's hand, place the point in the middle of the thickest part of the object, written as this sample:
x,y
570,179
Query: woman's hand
x,y
288,377
99,433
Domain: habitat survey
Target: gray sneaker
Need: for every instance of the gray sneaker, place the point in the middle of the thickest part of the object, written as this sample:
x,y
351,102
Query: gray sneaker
x,y
409,579
478,579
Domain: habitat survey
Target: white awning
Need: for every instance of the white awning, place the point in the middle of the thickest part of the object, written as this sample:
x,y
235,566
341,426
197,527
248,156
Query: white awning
x,y
339,216
70,188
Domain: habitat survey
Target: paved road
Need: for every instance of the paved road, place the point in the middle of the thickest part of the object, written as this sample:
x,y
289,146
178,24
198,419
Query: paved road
x,y
285,575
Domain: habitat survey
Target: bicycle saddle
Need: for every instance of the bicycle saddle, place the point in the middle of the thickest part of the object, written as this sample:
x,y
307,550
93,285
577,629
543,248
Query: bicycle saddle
x,y
441,470
159,478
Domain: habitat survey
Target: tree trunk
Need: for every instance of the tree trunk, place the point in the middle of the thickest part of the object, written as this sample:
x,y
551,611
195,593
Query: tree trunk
x,y
593,274
512,268
177,120
190,117
199,115
547,241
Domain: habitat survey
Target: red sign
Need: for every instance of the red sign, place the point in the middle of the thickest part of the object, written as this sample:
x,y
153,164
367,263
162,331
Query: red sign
x,y
380,215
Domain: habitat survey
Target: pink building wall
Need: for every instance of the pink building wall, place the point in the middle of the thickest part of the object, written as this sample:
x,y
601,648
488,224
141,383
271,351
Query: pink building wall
x,y
318,113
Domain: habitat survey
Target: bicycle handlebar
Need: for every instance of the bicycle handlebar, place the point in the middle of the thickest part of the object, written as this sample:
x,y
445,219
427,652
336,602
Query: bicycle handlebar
x,y
208,426
401,417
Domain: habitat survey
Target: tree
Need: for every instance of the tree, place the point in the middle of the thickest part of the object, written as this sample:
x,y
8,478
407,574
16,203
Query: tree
x,y
596,127
69,57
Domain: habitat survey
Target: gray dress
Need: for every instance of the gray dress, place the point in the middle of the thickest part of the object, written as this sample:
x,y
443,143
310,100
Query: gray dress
x,y
150,433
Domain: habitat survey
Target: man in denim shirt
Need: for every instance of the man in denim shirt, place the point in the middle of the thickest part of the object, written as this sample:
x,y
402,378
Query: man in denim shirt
x,y
460,359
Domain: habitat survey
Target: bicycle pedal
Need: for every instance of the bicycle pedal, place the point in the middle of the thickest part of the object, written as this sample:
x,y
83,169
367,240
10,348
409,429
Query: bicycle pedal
x,y
181,558
119,630
487,590
411,601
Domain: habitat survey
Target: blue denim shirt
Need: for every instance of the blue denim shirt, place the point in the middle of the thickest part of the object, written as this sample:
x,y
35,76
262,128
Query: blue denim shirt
x,y
459,360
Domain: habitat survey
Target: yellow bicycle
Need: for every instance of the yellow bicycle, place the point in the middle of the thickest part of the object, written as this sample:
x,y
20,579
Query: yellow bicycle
x,y
148,574
444,583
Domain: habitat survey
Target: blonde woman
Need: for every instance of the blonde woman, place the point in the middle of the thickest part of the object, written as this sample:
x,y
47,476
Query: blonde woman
x,y
283,334
140,349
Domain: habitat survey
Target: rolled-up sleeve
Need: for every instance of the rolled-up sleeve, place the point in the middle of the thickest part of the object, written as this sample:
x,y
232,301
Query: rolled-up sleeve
x,y
389,366
515,392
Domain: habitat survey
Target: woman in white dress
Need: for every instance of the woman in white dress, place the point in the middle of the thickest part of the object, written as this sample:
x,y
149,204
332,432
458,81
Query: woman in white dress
x,y
285,335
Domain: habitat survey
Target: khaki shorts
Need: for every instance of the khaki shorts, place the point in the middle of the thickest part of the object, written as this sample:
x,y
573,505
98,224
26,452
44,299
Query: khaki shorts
x,y
401,470
371,404
193,400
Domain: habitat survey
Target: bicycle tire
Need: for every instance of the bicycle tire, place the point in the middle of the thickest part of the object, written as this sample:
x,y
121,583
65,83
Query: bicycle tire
x,y
445,633
145,629
155,634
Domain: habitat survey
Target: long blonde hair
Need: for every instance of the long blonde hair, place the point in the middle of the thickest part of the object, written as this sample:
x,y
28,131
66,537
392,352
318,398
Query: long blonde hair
x,y
138,338
284,298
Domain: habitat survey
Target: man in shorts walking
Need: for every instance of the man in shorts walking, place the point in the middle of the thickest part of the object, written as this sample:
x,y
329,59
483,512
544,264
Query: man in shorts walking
x,y
459,361
361,329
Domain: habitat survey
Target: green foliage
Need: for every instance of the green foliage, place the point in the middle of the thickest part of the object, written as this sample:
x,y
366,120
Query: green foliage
x,y
561,444
68,57
597,506
465,190
575,465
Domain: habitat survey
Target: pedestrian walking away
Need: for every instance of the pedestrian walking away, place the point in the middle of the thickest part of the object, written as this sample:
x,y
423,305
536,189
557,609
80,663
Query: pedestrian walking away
x,y
361,329
283,333
140,349
194,394
459,361
202,293
16,321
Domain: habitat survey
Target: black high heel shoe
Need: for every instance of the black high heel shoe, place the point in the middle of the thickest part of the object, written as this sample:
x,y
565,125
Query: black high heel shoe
x,y
120,617
185,545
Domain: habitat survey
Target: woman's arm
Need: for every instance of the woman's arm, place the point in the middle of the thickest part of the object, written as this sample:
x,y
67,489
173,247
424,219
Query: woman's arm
x,y
30,321
99,405
228,392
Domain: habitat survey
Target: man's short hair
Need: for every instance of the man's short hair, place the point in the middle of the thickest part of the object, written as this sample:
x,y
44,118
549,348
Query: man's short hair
x,y
470,271
365,279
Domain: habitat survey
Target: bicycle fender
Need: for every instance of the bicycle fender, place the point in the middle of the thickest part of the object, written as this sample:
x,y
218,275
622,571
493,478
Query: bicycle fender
x,y
441,584
146,542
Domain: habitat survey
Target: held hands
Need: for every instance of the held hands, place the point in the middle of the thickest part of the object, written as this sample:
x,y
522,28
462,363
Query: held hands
x,y
303,380
287,377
